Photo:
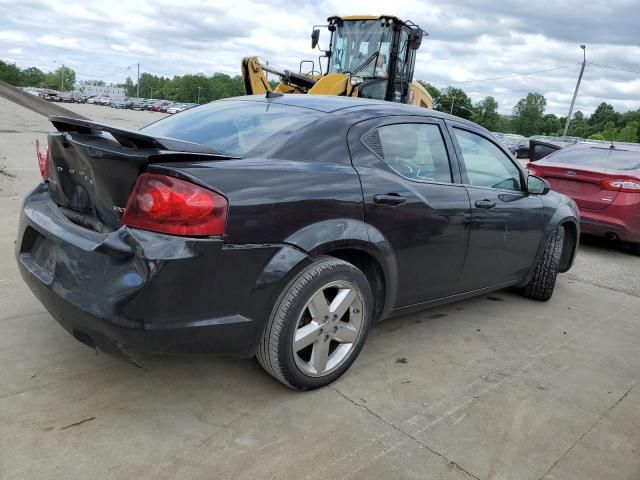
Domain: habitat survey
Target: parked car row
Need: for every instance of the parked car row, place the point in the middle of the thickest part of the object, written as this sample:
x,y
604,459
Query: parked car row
x,y
151,104
55,96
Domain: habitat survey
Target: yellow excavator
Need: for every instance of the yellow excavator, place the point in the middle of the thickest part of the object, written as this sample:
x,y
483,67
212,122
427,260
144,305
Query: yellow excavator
x,y
368,57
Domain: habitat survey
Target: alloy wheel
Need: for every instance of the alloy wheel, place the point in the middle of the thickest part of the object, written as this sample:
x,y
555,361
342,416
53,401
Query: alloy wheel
x,y
328,328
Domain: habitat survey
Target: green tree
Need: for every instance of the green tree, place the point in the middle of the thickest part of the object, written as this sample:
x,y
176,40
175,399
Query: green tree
x,y
550,125
629,133
505,124
129,87
602,115
55,80
32,77
580,127
528,114
486,113
10,73
455,101
610,131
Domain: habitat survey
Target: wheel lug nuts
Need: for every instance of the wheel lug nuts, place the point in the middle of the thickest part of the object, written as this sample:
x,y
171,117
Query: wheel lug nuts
x,y
320,331
326,317
355,310
335,329
326,337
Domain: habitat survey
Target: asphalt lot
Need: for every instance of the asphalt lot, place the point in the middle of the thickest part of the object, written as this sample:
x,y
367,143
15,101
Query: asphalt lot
x,y
494,387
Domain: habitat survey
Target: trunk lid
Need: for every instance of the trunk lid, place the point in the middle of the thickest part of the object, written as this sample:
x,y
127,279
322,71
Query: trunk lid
x,y
93,168
582,185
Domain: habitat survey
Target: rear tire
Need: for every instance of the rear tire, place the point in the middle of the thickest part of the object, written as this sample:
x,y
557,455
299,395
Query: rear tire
x,y
541,285
318,325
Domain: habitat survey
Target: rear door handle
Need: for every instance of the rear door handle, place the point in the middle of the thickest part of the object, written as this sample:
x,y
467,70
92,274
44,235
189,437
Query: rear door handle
x,y
389,199
486,204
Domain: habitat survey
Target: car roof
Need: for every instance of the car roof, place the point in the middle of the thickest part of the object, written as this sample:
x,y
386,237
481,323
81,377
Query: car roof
x,y
332,104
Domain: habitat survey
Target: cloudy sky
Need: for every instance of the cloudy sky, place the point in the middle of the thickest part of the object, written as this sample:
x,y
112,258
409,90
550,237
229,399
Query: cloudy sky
x,y
469,40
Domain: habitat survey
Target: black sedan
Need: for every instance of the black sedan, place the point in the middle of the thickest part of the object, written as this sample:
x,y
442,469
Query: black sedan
x,y
281,228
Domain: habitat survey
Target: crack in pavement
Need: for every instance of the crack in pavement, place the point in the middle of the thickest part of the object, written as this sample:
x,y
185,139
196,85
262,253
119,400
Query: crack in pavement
x,y
607,411
534,356
79,423
613,289
402,432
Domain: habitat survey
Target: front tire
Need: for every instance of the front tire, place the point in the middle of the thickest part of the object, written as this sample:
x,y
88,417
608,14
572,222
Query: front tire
x,y
318,325
541,285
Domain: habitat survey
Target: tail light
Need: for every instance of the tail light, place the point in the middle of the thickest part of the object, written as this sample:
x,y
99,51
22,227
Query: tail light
x,y
625,185
170,205
43,161
532,171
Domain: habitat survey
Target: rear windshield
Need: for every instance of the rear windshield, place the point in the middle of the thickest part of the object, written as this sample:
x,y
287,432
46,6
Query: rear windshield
x,y
606,158
235,127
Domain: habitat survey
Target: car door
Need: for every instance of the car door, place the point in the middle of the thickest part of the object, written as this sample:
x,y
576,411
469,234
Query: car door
x,y
408,173
506,221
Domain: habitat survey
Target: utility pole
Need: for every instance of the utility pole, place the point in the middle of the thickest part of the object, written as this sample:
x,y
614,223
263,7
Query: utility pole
x,y
453,100
575,92
138,83
199,95
151,92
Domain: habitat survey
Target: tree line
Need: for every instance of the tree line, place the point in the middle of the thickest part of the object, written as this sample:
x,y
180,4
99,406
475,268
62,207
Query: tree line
x,y
528,115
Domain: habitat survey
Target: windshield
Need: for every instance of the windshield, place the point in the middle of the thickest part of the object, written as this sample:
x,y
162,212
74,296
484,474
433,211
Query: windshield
x,y
235,127
355,45
606,158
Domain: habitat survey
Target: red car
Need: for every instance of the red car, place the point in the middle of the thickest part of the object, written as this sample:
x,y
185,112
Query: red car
x,y
604,180
157,106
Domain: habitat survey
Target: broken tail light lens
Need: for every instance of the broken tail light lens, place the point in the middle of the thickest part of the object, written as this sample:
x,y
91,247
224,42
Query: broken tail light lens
x,y
43,161
165,204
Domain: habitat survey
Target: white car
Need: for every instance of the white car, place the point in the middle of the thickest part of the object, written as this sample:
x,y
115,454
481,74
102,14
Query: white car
x,y
175,108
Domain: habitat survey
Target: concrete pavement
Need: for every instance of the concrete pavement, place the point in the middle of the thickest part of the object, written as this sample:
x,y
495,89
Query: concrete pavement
x,y
497,387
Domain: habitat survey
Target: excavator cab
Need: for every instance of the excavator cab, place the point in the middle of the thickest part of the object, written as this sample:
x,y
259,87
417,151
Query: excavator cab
x,y
377,53
368,57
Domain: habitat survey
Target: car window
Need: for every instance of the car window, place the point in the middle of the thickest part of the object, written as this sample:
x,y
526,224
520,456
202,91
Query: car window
x,y
541,151
486,164
415,151
235,127
599,157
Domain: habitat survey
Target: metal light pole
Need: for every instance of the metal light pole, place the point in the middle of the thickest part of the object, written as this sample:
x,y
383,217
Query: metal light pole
x,y
453,100
138,82
199,95
575,92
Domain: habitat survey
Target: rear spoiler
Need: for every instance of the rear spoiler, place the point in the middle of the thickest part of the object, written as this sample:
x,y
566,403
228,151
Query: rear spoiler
x,y
133,138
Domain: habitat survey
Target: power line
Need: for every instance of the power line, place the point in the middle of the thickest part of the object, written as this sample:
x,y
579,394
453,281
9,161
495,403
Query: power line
x,y
613,68
509,76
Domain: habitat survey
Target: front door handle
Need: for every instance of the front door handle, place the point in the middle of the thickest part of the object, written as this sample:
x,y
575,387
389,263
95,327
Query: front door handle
x,y
389,199
486,204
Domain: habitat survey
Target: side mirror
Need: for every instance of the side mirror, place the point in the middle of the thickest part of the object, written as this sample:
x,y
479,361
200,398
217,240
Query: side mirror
x,y
537,185
315,36
415,39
